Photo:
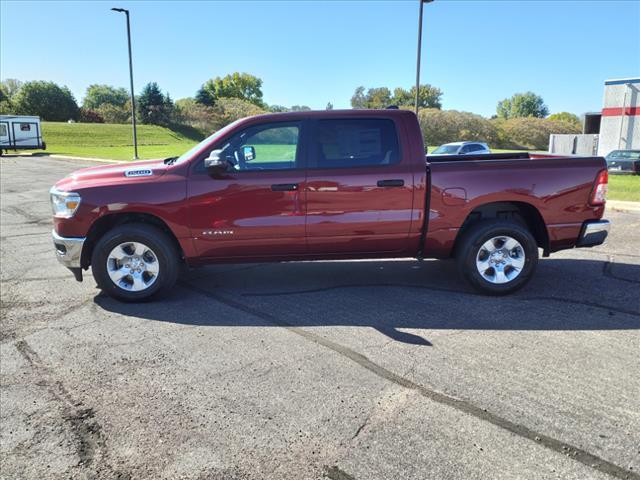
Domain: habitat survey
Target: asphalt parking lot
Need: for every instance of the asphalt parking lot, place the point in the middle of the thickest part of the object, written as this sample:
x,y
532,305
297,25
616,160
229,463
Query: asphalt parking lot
x,y
342,370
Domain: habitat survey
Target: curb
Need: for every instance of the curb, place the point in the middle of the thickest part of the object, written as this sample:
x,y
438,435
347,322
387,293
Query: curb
x,y
88,159
622,206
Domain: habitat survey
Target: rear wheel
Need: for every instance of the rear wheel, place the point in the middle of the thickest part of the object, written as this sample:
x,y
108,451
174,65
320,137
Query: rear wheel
x,y
497,257
135,262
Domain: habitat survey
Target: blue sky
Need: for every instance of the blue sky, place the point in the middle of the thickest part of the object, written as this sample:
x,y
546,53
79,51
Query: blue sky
x,y
313,52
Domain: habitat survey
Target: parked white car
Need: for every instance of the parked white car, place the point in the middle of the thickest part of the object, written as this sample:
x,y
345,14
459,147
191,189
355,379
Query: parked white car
x,y
20,132
462,148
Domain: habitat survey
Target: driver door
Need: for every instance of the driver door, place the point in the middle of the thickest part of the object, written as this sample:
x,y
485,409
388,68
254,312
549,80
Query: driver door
x,y
256,208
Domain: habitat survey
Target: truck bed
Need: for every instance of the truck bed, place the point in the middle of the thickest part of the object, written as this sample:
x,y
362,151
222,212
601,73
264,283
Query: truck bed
x,y
556,187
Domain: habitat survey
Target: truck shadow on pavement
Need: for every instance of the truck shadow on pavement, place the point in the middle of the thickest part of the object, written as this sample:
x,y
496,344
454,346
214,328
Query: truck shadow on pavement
x,y
565,294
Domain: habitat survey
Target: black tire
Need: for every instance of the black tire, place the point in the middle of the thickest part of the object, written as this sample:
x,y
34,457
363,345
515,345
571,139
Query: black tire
x,y
473,239
154,238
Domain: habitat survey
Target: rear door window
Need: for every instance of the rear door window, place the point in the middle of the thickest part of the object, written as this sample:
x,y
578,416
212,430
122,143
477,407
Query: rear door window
x,y
349,143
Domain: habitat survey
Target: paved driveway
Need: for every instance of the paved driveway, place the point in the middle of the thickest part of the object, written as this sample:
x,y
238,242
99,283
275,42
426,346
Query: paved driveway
x,y
346,370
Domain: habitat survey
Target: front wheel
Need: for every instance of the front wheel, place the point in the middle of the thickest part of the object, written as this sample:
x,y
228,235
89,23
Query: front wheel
x,y
135,262
497,257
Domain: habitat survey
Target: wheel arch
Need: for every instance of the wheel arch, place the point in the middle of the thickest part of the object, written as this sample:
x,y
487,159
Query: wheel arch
x,y
521,212
106,223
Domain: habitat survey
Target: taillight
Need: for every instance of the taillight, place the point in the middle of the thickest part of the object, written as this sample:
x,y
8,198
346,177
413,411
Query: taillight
x,y
600,187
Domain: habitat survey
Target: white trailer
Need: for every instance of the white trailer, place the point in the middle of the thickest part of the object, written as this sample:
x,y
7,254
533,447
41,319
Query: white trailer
x,y
20,132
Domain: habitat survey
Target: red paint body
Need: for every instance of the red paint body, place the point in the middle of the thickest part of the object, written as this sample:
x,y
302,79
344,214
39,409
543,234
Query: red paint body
x,y
335,213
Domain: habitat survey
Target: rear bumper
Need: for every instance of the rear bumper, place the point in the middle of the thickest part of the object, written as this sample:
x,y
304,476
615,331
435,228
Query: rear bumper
x,y
68,250
594,232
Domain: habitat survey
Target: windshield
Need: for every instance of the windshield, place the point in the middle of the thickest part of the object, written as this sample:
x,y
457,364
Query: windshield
x,y
446,149
630,154
211,138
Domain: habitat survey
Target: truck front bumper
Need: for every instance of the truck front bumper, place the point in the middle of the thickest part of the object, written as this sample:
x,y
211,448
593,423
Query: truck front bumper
x,y
594,232
69,252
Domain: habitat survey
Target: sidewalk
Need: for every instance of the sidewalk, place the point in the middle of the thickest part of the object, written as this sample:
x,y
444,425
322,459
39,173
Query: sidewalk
x,y
621,206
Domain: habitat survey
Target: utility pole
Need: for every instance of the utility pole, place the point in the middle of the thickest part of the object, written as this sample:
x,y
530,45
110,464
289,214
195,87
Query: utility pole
x,y
422,2
133,95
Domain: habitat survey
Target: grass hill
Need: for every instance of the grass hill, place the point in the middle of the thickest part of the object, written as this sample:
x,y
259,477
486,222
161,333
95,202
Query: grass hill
x,y
111,141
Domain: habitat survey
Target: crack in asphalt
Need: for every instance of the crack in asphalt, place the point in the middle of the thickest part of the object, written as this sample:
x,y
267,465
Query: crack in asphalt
x,y
440,289
12,335
335,473
5,237
553,444
82,422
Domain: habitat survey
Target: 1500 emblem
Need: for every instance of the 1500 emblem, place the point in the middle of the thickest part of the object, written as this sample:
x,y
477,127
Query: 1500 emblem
x,y
138,173
217,232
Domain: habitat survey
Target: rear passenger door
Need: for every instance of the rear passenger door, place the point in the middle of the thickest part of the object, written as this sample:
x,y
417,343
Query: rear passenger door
x,y
359,191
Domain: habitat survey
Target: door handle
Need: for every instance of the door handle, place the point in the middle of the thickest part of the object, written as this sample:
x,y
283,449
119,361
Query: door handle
x,y
398,182
284,187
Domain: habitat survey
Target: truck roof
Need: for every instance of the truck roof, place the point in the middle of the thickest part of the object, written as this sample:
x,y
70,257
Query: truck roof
x,y
336,113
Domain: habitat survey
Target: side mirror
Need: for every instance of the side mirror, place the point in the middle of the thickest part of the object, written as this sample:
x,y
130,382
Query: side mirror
x,y
249,153
215,164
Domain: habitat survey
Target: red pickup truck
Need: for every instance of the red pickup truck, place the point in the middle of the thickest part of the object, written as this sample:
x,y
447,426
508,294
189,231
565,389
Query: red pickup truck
x,y
324,185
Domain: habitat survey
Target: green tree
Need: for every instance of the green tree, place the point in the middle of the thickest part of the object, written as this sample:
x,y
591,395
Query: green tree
x,y
98,95
566,117
47,100
154,107
10,86
299,108
359,100
329,106
236,85
526,104
378,97
5,103
430,97
277,108
4,97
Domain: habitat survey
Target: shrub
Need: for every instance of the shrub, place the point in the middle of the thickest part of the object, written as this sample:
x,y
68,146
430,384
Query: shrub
x,y
196,115
567,118
444,126
90,116
229,110
114,113
531,133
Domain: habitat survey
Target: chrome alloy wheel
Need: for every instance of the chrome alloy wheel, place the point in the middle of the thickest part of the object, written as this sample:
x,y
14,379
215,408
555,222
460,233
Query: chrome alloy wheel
x,y
500,259
133,266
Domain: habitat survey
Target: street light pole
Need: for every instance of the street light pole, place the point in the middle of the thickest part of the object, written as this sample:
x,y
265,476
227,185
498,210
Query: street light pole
x,y
422,2
133,96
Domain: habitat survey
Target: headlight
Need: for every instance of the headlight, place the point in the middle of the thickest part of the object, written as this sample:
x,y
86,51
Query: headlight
x,y
64,204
